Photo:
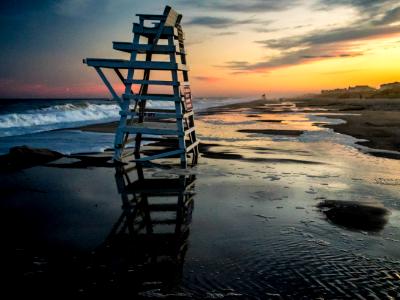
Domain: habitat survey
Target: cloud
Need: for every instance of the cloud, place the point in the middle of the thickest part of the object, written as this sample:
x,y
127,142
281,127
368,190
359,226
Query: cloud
x,y
236,65
347,34
206,78
363,6
223,22
289,58
243,6
227,33
215,22
390,17
325,44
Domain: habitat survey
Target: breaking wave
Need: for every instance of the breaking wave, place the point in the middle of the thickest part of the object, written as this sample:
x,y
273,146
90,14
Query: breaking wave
x,y
56,117
71,115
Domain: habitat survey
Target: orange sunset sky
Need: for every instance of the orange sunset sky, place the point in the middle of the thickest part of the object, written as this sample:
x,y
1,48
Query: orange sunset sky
x,y
235,48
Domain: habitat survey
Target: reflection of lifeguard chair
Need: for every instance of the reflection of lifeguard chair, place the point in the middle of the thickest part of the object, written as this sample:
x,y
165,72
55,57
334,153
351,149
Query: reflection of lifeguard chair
x,y
143,122
172,195
148,243
156,216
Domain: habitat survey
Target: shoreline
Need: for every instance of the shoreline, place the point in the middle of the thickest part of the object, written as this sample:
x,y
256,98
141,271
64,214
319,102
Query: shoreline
x,y
110,127
375,120
366,119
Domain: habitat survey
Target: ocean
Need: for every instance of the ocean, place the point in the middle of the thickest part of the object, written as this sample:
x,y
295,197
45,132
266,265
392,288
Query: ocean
x,y
53,123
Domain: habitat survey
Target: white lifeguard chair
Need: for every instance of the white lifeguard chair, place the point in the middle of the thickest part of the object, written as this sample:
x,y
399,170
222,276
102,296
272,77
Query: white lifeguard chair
x,y
164,38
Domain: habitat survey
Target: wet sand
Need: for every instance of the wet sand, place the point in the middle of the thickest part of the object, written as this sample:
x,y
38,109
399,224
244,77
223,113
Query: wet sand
x,y
262,216
375,120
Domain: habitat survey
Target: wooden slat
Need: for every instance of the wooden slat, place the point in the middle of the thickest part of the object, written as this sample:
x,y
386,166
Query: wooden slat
x,y
135,130
164,222
158,139
159,110
164,111
144,48
160,155
163,207
152,128
153,115
188,114
109,86
151,17
172,16
189,148
155,97
126,64
190,130
153,31
152,82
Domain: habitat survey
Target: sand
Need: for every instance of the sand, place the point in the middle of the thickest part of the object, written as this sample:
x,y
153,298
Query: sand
x,y
261,216
375,120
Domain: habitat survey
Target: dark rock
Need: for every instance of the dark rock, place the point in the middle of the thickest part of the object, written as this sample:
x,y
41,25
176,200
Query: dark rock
x,y
22,157
355,215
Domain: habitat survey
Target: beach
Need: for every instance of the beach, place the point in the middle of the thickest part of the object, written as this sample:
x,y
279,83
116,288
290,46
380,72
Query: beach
x,y
373,120
288,201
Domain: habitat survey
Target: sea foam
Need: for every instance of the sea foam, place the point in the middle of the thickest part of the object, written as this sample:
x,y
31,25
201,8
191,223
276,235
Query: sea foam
x,y
72,115
56,117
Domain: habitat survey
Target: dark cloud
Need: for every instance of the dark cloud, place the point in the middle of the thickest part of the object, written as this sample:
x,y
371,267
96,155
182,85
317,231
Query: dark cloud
x,y
236,65
226,33
317,56
243,6
331,55
363,6
223,22
267,30
240,72
326,44
206,78
275,29
332,36
289,58
391,16
217,22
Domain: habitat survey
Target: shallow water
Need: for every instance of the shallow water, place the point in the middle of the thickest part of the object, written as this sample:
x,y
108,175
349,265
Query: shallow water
x,y
290,217
49,123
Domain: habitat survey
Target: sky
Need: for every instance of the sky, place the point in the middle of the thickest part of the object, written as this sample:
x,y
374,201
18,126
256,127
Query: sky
x,y
235,48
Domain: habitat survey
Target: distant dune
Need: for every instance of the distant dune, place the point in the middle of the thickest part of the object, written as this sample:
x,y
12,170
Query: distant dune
x,y
386,90
376,120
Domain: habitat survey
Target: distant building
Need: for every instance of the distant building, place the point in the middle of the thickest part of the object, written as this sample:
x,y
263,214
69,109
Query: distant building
x,y
390,86
386,90
360,89
333,92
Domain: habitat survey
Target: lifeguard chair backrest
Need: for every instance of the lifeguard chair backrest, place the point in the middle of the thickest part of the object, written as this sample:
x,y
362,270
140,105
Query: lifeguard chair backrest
x,y
172,18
